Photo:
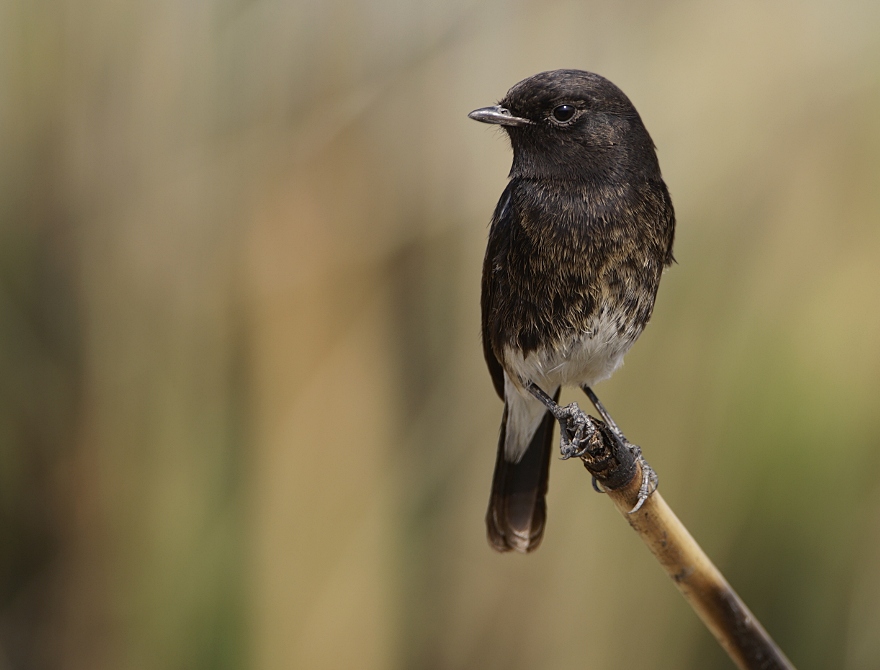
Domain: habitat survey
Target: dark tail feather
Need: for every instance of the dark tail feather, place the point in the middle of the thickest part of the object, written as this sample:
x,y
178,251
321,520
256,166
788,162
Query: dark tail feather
x,y
515,519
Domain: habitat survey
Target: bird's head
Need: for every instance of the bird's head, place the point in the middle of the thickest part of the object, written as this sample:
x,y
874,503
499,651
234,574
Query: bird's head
x,y
571,124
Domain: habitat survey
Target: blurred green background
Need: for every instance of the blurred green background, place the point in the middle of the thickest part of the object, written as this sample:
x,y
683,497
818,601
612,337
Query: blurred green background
x,y
244,417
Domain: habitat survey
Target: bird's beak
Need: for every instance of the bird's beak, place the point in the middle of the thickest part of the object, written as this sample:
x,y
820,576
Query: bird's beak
x,y
498,114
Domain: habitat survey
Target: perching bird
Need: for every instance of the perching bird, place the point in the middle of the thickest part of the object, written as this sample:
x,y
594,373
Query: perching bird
x,y
577,245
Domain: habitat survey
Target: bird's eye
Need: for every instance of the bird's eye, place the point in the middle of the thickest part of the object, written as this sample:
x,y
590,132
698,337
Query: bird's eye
x,y
563,113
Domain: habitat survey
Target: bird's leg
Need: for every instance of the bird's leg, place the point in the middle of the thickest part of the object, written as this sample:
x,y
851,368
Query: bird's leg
x,y
606,417
650,481
575,426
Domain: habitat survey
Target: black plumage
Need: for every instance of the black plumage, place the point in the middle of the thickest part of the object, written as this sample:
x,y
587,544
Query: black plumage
x,y
576,248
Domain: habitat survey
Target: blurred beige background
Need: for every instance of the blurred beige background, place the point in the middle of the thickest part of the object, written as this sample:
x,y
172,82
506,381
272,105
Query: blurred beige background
x,y
245,421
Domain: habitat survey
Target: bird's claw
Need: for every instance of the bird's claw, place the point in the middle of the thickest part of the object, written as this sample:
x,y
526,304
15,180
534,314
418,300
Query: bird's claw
x,y
576,429
650,481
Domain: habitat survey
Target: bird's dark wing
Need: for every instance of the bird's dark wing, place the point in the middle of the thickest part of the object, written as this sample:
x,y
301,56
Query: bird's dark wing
x,y
497,234
668,225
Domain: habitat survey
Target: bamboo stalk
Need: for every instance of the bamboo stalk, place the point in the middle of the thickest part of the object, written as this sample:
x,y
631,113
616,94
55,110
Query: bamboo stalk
x,y
703,586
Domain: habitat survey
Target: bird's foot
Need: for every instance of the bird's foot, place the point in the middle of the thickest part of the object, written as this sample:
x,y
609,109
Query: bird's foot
x,y
650,481
575,427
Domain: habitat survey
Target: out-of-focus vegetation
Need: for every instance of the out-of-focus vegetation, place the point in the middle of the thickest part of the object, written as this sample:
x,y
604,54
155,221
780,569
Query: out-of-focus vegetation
x,y
244,419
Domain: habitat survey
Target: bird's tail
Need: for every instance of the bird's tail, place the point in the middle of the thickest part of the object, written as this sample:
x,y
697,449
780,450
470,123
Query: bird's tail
x,y
517,510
